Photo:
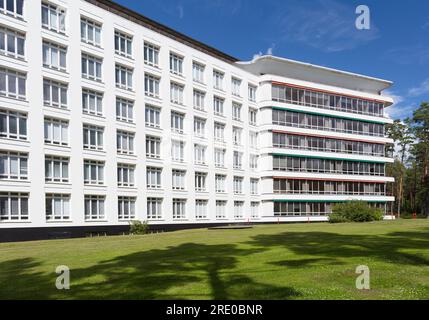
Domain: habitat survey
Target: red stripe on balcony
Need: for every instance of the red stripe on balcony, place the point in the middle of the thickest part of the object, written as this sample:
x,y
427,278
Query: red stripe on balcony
x,y
328,179
284,84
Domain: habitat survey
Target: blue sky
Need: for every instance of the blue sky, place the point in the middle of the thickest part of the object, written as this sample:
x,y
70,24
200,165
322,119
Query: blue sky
x,y
317,31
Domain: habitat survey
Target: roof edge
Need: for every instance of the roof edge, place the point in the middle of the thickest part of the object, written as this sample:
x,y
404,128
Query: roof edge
x,y
387,83
140,19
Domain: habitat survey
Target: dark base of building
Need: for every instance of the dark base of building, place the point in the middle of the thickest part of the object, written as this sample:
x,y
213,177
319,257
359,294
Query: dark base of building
x,y
48,233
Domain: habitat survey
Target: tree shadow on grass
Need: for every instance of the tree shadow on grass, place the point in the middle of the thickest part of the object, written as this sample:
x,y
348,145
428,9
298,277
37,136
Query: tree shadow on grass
x,y
330,248
18,279
178,272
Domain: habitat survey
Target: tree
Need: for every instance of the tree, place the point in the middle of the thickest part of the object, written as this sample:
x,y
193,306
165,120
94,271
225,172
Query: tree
x,y
420,151
402,135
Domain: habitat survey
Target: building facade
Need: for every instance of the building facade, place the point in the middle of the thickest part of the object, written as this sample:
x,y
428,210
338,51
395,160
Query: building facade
x,y
109,117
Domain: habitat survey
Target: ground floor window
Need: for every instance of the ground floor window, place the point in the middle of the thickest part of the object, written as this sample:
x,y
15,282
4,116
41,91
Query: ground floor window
x,y
179,209
94,208
57,207
154,208
287,209
221,209
254,210
13,206
126,208
238,209
201,209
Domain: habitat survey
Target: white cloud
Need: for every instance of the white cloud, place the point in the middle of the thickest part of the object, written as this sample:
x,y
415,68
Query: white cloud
x,y
328,25
422,89
396,98
269,52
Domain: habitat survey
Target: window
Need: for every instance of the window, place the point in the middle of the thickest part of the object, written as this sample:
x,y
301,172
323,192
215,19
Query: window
x,y
218,106
200,181
198,72
176,93
56,169
125,142
254,186
91,67
201,209
199,100
153,147
13,206
238,160
57,207
124,77
177,151
151,54
54,56
154,208
13,125
252,117
92,102
126,208
218,79
53,18
151,85
238,185
326,123
177,120
253,161
14,8
94,208
123,44
236,111
176,64
12,84
236,136
220,183
254,210
126,175
252,93
56,131
219,158
90,32
199,127
152,116
178,177
200,154
253,139
220,209
153,178
12,43
311,98
93,172
124,110
13,165
54,94
179,209
93,137
238,209
236,87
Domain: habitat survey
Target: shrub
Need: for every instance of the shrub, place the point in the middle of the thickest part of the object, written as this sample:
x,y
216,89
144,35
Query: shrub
x,y
355,211
139,227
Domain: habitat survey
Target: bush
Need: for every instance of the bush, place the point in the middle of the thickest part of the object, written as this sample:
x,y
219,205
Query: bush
x,y
139,227
355,211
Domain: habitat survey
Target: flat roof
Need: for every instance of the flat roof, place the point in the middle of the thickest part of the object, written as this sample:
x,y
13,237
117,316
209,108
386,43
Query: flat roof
x,y
272,65
140,19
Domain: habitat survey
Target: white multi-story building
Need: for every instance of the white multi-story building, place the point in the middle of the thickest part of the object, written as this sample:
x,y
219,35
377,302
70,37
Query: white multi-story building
x,y
108,117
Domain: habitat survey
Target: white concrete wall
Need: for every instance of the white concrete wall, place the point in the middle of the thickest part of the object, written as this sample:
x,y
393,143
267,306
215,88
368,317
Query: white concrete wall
x,y
37,150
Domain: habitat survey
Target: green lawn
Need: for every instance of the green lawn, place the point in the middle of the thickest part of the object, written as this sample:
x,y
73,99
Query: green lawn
x,y
302,261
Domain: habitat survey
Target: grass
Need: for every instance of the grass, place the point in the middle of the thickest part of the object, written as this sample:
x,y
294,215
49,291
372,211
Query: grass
x,y
302,261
